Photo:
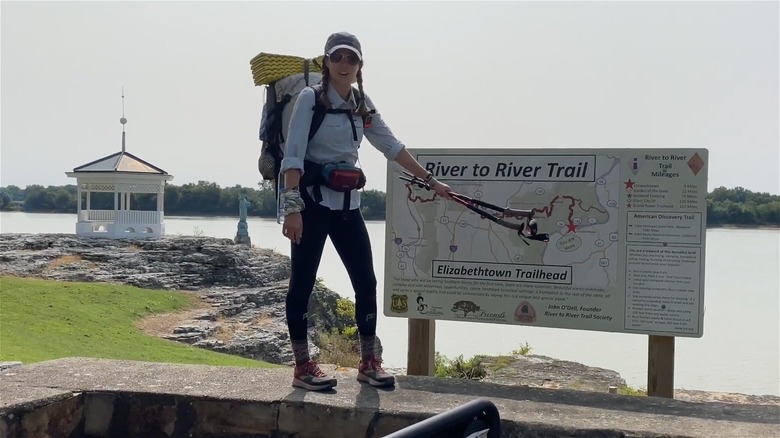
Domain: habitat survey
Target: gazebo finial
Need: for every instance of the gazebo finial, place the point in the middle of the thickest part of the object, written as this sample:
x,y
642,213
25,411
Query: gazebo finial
x,y
123,120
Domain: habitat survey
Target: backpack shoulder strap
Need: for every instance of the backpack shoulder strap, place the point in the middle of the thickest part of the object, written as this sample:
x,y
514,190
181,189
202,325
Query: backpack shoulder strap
x,y
319,111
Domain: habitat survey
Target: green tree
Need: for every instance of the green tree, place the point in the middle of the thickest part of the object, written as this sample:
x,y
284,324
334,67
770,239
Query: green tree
x,y
768,213
372,204
228,201
201,198
64,201
172,198
5,199
264,200
16,193
143,201
38,198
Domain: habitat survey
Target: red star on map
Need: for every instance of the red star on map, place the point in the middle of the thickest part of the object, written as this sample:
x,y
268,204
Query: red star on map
x,y
571,228
629,184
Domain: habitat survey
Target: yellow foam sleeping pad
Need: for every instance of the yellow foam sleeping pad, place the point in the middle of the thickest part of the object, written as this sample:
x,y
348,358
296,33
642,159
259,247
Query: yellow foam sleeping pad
x,y
268,67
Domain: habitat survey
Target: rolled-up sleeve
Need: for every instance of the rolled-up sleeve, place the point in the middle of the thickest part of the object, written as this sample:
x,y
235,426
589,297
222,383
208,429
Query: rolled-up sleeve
x,y
297,135
380,136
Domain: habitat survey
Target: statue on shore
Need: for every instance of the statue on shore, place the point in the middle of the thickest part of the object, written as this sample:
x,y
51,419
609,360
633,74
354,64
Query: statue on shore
x,y
243,204
242,235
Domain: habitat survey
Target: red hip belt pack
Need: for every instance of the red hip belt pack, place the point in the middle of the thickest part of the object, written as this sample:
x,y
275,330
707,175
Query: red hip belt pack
x,y
343,177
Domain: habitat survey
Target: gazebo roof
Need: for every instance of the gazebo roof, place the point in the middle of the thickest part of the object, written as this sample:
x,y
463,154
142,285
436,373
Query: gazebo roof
x,y
120,162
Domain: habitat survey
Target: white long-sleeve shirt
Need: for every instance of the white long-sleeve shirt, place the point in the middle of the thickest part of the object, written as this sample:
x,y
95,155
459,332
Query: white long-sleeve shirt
x,y
334,140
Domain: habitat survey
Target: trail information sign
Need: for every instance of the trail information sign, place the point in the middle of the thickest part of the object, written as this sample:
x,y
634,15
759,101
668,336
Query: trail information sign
x,y
625,251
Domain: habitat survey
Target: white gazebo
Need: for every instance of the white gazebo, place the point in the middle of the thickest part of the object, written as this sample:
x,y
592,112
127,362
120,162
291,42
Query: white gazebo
x,y
122,174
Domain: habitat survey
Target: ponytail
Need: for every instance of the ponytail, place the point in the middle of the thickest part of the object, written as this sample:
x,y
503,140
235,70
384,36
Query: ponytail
x,y
324,101
362,108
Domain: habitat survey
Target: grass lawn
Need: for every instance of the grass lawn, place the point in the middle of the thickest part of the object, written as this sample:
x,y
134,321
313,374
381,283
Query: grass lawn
x,y
42,320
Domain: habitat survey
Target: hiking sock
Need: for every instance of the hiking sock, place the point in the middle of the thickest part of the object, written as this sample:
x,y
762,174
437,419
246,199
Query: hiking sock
x,y
300,351
367,347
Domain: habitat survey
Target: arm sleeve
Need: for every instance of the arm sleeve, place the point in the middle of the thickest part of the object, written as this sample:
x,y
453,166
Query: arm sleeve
x,y
297,135
380,136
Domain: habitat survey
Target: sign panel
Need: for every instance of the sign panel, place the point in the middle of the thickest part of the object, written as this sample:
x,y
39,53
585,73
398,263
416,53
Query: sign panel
x,y
624,250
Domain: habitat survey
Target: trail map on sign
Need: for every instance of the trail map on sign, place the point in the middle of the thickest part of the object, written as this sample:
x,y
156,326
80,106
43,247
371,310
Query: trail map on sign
x,y
580,218
625,250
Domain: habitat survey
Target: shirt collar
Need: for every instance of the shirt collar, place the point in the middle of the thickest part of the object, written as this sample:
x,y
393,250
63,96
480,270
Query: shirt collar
x,y
337,102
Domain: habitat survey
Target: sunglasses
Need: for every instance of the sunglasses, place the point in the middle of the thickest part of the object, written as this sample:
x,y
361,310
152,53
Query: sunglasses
x,y
352,59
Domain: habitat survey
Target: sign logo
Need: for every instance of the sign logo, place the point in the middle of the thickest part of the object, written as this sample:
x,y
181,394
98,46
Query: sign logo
x,y
525,313
421,306
466,307
399,303
472,312
424,309
696,163
635,164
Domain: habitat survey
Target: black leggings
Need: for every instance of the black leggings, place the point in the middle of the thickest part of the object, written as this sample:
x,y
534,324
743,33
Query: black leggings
x,y
350,238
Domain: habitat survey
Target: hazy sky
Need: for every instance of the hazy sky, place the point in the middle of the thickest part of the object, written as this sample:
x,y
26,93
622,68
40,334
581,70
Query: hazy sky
x,y
444,75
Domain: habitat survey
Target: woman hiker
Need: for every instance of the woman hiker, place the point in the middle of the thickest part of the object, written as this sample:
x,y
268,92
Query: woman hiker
x,y
321,202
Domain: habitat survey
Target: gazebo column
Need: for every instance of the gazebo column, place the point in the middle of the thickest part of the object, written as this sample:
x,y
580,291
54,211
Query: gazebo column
x,y
78,196
160,202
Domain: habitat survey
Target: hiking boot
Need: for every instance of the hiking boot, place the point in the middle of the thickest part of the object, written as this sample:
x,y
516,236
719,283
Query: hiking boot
x,y
372,373
310,376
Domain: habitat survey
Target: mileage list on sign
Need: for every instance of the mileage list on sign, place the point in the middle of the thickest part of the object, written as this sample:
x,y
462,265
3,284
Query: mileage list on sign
x,y
664,231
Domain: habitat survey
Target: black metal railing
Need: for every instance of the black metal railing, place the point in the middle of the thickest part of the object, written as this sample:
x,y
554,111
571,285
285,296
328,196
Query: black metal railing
x,y
477,418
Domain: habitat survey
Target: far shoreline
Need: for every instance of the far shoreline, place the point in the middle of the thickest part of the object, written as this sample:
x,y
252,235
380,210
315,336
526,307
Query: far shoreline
x,y
210,216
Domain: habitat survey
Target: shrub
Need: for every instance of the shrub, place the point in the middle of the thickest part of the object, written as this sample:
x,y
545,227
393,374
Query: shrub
x,y
345,317
340,349
523,350
350,332
459,368
627,390
342,345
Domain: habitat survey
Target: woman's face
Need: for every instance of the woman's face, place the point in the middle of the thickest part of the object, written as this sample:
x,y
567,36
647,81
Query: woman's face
x,y
343,72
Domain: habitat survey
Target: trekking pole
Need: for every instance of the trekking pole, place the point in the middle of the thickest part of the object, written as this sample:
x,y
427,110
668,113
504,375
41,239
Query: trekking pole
x,y
526,230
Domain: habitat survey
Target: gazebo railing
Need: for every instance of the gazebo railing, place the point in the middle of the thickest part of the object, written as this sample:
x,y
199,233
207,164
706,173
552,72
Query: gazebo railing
x,y
97,215
122,216
138,217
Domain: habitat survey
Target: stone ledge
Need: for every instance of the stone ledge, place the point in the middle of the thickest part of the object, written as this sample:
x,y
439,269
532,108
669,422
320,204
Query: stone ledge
x,y
99,397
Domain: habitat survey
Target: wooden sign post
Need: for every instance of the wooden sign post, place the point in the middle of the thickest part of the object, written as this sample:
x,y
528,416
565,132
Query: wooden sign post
x,y
660,366
420,359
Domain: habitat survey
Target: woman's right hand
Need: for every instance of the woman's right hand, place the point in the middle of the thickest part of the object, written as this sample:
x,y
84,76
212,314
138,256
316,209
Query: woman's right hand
x,y
292,228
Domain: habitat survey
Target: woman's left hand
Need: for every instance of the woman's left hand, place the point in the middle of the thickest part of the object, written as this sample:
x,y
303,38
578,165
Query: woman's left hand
x,y
442,190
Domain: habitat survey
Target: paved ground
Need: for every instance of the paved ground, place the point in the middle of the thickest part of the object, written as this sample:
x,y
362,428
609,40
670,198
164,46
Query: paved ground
x,y
560,411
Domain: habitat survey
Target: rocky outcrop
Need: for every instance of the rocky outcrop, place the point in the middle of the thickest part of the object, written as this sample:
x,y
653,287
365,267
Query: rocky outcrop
x,y
251,322
546,372
242,289
183,263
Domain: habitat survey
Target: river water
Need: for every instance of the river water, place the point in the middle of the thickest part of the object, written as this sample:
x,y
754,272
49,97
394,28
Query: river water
x,y
739,352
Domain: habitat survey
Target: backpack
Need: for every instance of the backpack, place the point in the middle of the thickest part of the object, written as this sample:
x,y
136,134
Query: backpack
x,y
285,77
275,118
